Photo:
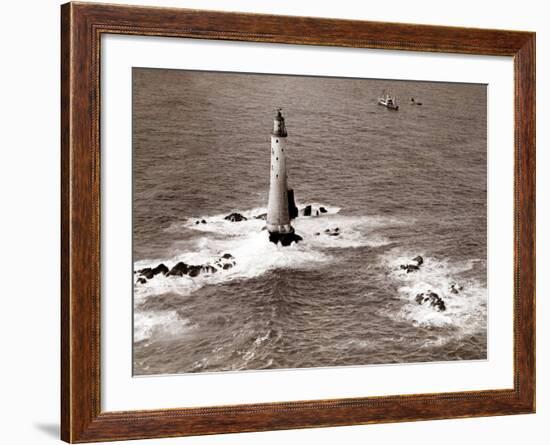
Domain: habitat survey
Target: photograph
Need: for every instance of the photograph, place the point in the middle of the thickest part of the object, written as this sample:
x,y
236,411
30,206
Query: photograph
x,y
287,222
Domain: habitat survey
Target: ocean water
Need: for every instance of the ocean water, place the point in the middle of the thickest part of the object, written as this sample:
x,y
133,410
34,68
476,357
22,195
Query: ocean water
x,y
395,184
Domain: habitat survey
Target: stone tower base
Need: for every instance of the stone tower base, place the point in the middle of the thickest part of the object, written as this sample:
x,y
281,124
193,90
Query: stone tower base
x,y
286,239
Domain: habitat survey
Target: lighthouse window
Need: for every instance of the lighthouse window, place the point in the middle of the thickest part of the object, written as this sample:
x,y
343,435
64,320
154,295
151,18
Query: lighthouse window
x,y
277,158
276,176
277,140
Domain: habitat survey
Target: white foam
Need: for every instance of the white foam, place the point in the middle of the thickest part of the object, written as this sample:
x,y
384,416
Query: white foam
x,y
354,231
253,253
165,323
465,311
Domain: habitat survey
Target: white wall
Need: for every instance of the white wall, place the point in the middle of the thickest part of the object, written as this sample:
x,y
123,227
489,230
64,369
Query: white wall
x,y
29,247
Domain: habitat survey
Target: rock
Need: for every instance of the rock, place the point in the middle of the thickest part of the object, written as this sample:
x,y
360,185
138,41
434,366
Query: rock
x,y
235,217
419,260
261,216
437,303
455,288
309,210
150,273
409,267
141,280
413,267
226,261
317,233
194,271
161,268
197,222
286,239
432,299
179,270
147,272
333,232
203,221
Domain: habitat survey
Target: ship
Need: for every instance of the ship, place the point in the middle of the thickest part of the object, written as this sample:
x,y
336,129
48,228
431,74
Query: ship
x,y
388,101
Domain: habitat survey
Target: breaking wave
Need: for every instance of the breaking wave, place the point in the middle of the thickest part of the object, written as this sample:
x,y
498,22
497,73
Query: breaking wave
x,y
161,323
466,311
253,253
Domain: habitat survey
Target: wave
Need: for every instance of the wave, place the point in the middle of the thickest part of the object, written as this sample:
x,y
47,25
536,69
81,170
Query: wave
x,y
158,323
466,311
253,253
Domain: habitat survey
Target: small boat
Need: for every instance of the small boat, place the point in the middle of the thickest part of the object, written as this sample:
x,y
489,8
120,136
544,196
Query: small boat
x,y
389,102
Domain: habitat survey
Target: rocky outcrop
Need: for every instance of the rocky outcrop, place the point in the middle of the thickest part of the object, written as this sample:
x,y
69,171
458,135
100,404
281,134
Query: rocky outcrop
x,y
286,239
414,265
333,232
226,261
179,270
455,288
418,260
432,300
310,210
330,232
409,267
194,270
235,217
149,273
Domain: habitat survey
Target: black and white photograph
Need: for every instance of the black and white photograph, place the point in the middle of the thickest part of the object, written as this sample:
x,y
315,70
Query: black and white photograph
x,y
292,222
284,222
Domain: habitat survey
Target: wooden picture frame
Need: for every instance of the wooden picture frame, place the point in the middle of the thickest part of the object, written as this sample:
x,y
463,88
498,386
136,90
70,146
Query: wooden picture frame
x,y
82,25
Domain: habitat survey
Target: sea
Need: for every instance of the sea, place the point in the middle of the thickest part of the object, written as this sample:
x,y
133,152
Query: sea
x,y
396,184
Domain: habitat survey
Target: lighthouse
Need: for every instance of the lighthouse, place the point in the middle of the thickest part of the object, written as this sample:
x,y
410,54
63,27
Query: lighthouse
x,y
281,205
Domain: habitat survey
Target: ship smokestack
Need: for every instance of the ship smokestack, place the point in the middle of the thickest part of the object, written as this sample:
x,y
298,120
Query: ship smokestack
x,y
278,212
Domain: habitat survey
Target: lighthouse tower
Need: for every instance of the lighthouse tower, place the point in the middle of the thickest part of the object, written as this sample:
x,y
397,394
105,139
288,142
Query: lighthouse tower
x,y
278,214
